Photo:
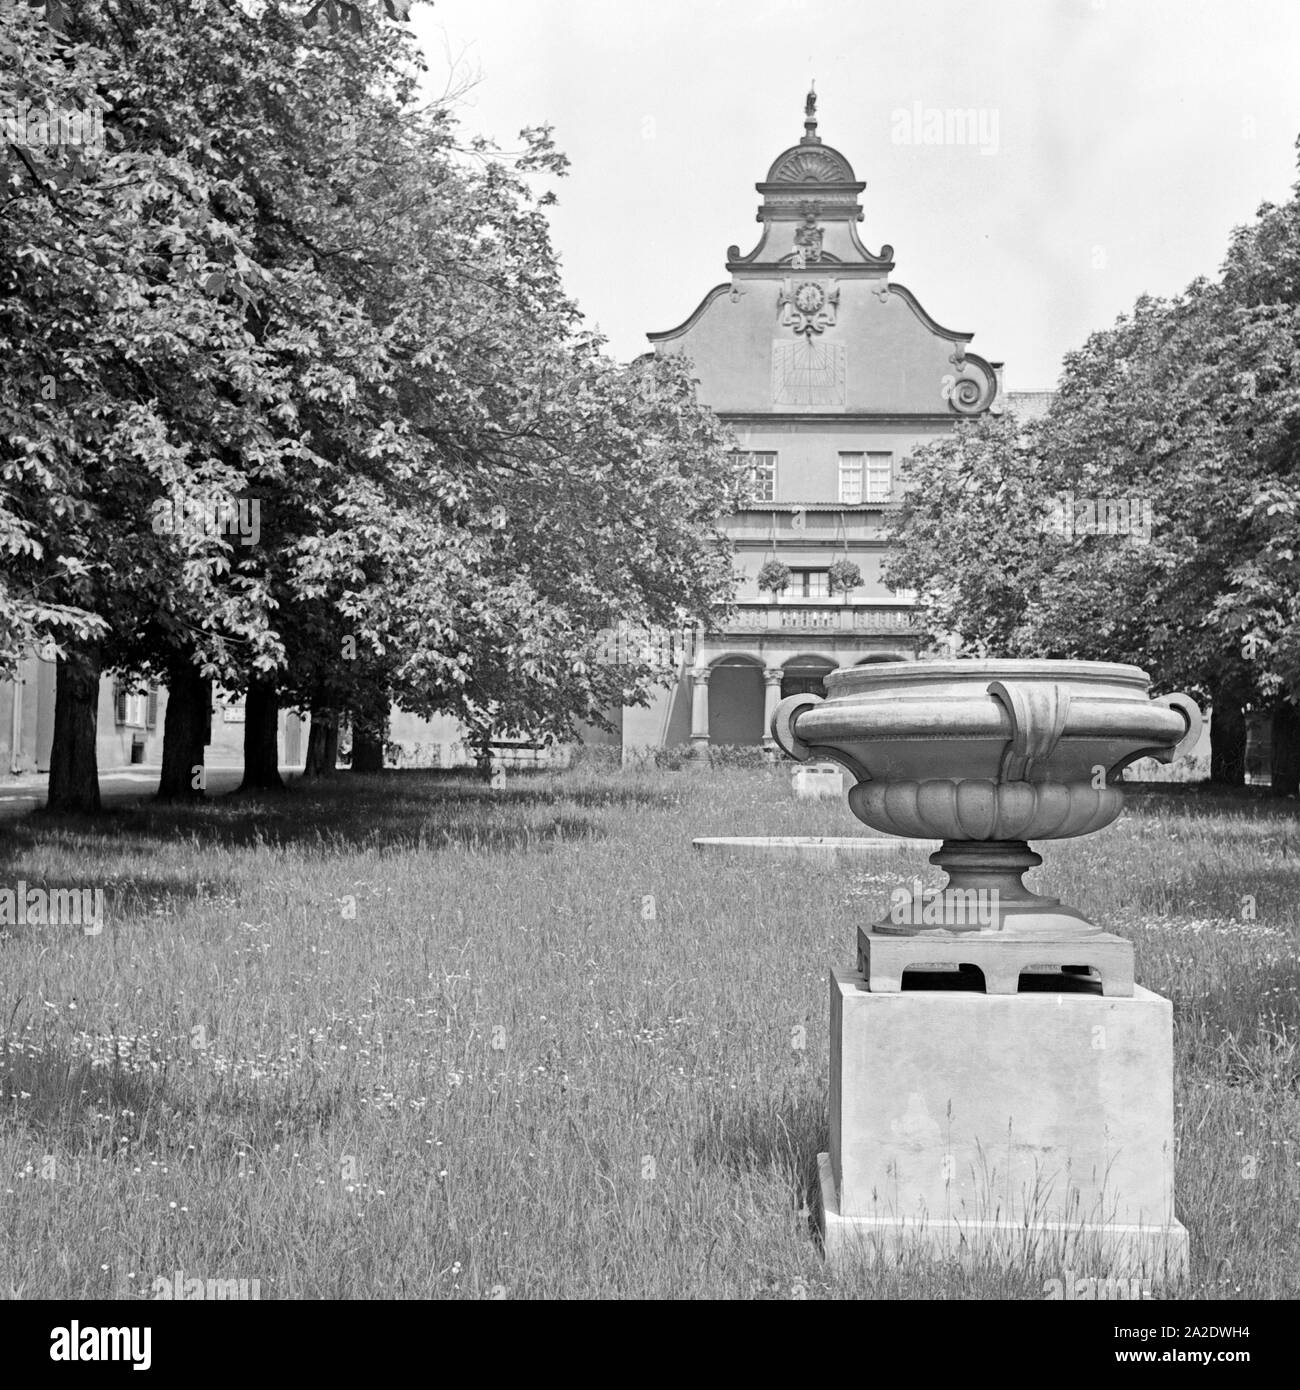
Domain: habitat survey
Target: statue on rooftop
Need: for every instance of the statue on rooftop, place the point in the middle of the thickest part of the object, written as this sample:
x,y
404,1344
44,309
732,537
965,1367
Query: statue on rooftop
x,y
810,136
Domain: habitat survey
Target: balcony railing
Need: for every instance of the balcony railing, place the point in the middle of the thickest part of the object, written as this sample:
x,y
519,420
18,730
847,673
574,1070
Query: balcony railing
x,y
829,616
791,523
675,648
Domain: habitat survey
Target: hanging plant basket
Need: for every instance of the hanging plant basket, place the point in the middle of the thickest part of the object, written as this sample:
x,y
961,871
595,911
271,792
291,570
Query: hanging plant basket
x,y
774,576
844,575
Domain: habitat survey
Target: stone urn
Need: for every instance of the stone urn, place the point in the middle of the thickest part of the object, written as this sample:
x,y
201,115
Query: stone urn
x,y
987,755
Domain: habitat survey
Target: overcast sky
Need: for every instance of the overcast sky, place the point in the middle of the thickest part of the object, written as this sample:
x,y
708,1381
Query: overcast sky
x,y
1121,141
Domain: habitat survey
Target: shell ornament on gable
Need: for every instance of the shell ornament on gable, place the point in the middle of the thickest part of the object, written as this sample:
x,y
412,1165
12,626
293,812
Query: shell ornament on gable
x,y
812,166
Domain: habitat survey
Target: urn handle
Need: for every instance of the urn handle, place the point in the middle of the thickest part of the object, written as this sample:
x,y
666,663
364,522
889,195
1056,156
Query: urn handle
x,y
1166,753
784,718
1191,712
1038,713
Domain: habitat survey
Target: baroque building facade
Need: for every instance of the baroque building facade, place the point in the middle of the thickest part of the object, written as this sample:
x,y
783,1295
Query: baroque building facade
x,y
829,373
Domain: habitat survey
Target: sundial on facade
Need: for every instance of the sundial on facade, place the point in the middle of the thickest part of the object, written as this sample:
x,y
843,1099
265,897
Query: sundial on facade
x,y
808,373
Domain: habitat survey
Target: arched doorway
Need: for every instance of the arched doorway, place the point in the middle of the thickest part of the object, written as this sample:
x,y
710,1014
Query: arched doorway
x,y
736,701
805,675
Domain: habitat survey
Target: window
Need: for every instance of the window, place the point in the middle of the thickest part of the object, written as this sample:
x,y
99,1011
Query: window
x,y
866,477
851,478
756,473
135,709
809,584
880,481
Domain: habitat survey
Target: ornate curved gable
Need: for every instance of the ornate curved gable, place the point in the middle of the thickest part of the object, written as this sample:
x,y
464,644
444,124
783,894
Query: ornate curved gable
x,y
809,322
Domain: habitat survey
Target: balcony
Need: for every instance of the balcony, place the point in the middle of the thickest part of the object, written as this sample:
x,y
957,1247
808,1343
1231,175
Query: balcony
x,y
789,522
813,615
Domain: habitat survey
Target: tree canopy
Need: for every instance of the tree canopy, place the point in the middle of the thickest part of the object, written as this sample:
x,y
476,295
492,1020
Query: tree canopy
x,y
1150,515
283,288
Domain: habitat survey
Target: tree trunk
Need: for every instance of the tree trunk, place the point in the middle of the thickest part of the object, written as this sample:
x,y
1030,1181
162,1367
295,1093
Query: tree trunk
x,y
74,767
185,731
368,744
1227,740
331,754
1285,761
261,725
322,744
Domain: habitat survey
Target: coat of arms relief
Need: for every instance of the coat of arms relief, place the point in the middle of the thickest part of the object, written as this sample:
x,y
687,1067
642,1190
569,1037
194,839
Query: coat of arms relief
x,y
807,242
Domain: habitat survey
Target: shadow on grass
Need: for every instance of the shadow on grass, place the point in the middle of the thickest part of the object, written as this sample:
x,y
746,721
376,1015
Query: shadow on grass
x,y
1206,798
784,1134
468,793
396,809
1240,1012
68,1104
141,895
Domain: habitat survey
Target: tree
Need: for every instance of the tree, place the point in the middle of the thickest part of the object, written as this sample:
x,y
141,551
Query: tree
x,y
129,383
969,536
320,307
185,732
1181,420
485,493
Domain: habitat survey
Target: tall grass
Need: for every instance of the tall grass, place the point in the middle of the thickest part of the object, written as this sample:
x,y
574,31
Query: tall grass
x,y
408,1037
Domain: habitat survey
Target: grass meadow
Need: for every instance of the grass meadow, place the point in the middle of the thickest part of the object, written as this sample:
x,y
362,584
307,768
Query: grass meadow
x,y
406,1037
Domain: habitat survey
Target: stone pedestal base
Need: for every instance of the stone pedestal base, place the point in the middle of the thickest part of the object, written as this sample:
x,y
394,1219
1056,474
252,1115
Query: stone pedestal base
x,y
1152,1255
971,1122
1000,956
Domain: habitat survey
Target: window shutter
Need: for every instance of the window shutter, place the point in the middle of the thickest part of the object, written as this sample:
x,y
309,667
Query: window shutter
x,y
151,713
119,703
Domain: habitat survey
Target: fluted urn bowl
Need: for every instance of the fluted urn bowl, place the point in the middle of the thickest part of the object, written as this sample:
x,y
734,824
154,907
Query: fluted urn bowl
x,y
987,755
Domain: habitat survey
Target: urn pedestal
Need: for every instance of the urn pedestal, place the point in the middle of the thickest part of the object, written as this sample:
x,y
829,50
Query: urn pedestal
x,y
1037,1125
999,1083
